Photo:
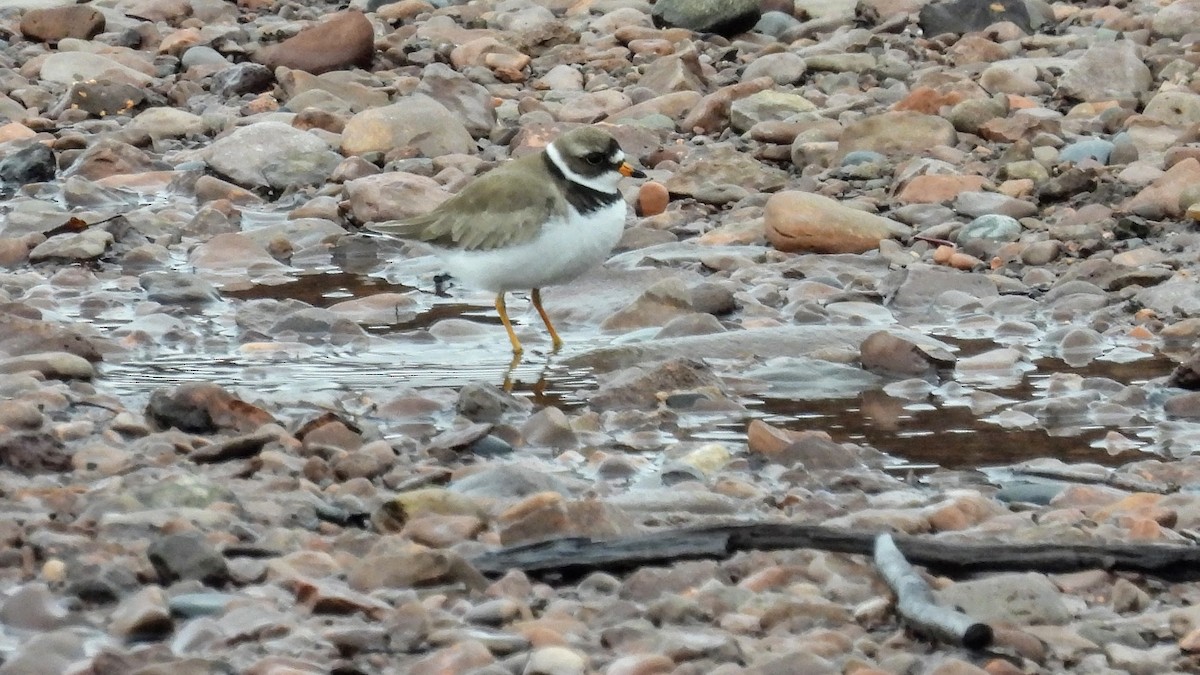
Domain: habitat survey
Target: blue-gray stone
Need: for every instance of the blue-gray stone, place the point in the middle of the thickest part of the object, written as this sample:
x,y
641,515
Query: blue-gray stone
x,y
990,227
775,24
862,157
1029,493
1094,148
191,605
723,17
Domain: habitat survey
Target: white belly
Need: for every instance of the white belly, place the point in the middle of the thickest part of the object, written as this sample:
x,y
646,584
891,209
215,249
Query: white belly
x,y
562,251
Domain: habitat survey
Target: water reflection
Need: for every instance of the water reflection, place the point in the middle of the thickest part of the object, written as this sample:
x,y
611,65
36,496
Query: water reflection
x,y
920,426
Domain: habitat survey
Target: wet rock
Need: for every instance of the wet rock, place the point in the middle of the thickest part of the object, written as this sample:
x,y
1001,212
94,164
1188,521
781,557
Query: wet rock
x,y
393,196
173,288
807,222
507,63
972,114
812,450
886,354
919,284
341,41
665,300
1177,19
272,155
100,98
142,616
20,415
766,106
52,652
74,246
238,447
162,122
983,235
645,385
34,163
784,68
1020,599
549,427
977,204
393,563
416,122
232,255
1186,375
898,134
508,482
52,365
675,73
965,16
109,157
241,78
463,657
934,188
394,514
720,174
711,113
1107,71
548,514
1183,406
65,68
1160,199
53,24
201,407
487,403
555,661
187,556
470,102
33,607
20,335
723,17
1087,148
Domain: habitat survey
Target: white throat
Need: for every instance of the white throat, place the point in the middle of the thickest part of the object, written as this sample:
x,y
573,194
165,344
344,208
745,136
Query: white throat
x,y
605,182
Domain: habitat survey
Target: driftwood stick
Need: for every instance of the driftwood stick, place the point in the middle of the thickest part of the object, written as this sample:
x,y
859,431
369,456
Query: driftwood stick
x,y
915,603
1111,479
572,557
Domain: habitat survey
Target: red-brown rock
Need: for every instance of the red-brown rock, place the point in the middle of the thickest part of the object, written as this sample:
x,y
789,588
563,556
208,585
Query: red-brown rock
x,y
345,40
56,23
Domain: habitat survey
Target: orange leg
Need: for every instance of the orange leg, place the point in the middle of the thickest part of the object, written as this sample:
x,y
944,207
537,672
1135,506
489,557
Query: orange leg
x,y
537,302
512,335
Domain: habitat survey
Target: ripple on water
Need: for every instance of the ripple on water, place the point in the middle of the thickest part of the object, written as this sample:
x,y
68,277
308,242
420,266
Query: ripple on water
x,y
969,421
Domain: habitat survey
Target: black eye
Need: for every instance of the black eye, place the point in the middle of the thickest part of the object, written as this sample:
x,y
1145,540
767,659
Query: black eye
x,y
595,158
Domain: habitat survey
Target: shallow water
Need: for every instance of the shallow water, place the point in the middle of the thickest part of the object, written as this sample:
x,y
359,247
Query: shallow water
x,y
917,432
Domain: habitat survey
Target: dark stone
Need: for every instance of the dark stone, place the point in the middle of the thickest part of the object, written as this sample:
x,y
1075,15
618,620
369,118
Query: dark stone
x,y
101,584
243,78
966,16
643,386
27,335
885,354
490,446
187,556
204,407
1186,375
101,98
723,17
480,402
56,23
30,452
177,288
34,163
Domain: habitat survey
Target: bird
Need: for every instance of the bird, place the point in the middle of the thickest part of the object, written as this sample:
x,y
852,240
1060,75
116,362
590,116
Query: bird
x,y
539,220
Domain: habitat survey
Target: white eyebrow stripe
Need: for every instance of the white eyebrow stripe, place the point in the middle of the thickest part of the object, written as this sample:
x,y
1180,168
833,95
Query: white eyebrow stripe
x,y
597,185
